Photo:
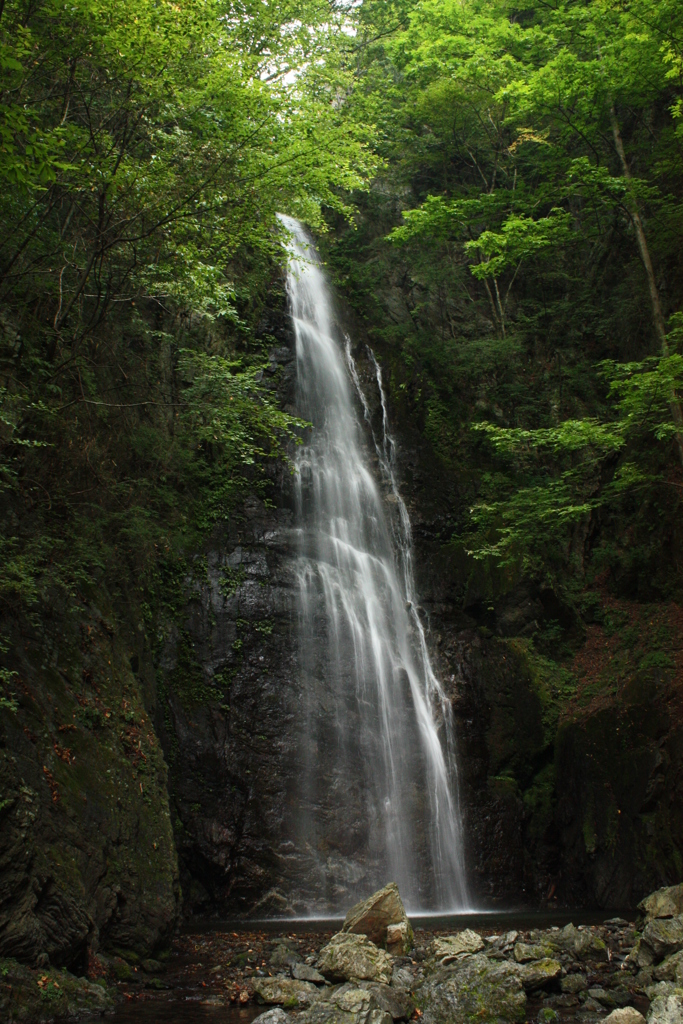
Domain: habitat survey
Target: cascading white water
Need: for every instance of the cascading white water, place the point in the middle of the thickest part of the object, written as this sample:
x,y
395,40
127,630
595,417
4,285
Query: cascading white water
x,y
377,799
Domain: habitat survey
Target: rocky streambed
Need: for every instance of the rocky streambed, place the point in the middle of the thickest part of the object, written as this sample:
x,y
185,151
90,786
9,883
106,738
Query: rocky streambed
x,y
376,971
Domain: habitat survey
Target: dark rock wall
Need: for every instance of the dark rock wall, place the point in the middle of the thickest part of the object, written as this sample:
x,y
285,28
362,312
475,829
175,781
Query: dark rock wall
x,y
87,858
228,728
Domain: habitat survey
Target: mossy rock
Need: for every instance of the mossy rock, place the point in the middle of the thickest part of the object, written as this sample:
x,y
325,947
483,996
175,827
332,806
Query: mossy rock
x,y
29,996
476,988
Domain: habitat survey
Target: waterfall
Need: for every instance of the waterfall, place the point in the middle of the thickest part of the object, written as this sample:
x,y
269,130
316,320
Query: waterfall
x,y
377,786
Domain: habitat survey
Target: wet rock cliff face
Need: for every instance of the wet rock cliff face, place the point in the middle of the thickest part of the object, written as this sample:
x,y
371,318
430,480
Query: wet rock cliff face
x,y
571,802
243,713
227,711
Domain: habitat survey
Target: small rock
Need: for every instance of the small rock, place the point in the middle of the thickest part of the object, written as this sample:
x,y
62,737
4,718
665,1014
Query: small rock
x,y
641,955
402,977
373,917
156,983
354,1000
399,938
350,956
590,947
602,996
525,953
546,1015
594,1005
581,943
304,972
447,947
397,1002
643,978
625,1015
574,983
152,967
616,922
121,970
539,973
285,991
284,955
666,902
275,1016
564,1000
622,996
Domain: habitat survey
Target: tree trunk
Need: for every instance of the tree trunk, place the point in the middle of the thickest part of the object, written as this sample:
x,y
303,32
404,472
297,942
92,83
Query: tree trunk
x,y
657,314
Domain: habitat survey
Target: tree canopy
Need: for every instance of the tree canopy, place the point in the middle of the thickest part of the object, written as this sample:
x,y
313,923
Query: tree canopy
x,y
145,150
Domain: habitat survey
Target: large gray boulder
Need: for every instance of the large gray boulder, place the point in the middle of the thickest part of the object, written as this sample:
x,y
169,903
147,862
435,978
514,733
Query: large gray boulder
x,y
395,1001
286,992
666,1010
625,1015
670,969
382,918
348,957
667,902
474,989
663,936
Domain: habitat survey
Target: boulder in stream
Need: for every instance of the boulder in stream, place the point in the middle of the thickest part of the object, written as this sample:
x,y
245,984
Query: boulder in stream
x,y
349,957
475,988
382,918
666,902
666,1010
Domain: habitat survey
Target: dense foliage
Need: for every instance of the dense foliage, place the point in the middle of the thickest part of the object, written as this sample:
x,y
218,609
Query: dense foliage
x,y
519,263
145,149
516,260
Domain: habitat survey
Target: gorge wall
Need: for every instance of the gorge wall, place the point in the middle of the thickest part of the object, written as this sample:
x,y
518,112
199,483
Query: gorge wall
x,y
571,788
